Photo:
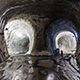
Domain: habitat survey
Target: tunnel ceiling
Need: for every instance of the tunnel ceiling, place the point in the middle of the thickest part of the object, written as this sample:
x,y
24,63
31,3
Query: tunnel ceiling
x,y
52,9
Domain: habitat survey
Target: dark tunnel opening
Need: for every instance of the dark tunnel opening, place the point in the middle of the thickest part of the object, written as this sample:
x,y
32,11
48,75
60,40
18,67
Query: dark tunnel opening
x,y
61,34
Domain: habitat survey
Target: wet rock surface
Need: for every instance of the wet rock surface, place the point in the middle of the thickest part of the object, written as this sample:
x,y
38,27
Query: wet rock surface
x,y
40,68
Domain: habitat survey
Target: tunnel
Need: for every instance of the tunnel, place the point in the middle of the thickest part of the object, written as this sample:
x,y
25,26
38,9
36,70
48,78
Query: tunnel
x,y
19,37
30,32
52,24
61,34
66,41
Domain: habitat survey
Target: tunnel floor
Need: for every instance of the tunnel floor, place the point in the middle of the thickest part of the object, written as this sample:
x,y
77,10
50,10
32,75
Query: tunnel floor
x,y
40,68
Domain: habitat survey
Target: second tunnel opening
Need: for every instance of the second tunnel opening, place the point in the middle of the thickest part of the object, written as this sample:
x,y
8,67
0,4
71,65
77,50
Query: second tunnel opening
x,y
62,35
66,41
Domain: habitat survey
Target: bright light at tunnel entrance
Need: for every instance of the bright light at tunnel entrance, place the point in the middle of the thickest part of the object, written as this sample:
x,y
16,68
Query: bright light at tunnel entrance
x,y
66,41
19,37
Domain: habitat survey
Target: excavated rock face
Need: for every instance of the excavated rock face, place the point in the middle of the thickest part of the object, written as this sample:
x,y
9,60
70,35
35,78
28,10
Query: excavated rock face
x,y
30,31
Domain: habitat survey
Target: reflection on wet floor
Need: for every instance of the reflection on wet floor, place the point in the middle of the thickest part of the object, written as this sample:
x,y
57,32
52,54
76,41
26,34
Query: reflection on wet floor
x,y
41,68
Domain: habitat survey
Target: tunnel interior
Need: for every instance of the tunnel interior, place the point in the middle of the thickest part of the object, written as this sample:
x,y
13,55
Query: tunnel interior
x,y
50,20
66,41
19,37
36,27
61,34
